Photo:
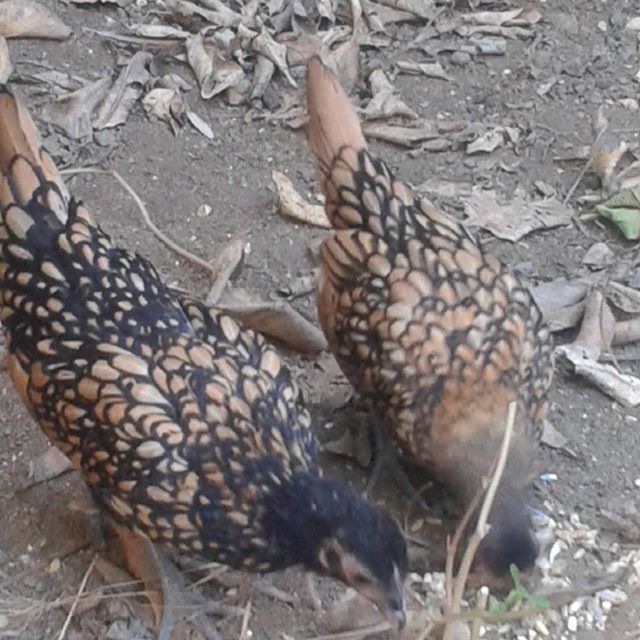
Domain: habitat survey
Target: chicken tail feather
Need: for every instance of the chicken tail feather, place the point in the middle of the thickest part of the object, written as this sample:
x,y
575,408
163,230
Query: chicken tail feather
x,y
30,185
333,122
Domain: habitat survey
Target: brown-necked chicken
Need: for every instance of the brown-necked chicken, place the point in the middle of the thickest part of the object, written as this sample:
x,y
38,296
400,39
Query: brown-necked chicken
x,y
436,332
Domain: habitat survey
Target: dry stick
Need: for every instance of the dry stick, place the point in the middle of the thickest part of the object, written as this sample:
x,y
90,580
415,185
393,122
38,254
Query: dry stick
x,y
481,526
577,181
356,634
452,546
244,627
187,255
76,600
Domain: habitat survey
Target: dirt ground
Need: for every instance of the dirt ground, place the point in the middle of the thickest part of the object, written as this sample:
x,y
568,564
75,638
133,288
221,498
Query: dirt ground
x,y
45,547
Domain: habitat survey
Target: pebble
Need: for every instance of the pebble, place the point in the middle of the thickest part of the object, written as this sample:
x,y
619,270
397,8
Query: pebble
x,y
614,596
572,624
460,58
541,628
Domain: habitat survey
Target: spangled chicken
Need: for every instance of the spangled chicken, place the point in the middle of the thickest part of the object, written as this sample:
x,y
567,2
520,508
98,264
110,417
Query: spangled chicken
x,y
187,428
437,333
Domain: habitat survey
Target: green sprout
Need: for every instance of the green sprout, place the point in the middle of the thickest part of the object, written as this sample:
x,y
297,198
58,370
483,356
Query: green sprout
x,y
516,595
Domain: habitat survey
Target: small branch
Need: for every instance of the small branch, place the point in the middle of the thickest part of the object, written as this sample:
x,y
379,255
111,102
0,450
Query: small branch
x,y
577,181
356,634
176,248
454,588
76,600
246,616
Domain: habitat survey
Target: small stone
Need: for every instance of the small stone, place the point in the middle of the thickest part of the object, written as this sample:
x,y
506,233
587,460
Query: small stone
x,y
629,103
203,211
614,596
54,566
541,628
460,58
602,26
636,483
576,605
572,624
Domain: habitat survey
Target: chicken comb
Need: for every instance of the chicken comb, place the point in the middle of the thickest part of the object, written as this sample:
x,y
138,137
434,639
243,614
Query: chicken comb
x,y
19,139
333,123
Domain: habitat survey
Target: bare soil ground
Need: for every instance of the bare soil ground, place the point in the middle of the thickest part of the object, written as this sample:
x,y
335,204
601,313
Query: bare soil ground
x,y
45,547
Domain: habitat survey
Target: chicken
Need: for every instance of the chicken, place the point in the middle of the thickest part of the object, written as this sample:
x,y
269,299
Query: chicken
x,y
187,428
437,333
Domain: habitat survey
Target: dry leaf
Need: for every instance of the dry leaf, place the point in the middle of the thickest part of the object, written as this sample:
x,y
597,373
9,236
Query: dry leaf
x,y
26,19
222,16
401,135
526,16
200,125
378,15
6,68
265,45
292,205
300,47
598,325
125,92
325,9
344,62
429,69
421,8
158,32
487,142
225,265
279,320
262,73
598,256
514,220
553,439
72,112
625,298
561,302
167,105
384,103
48,465
213,72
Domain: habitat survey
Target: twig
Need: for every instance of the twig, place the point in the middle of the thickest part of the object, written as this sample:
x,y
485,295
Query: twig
x,y
454,588
176,248
481,526
356,634
76,600
244,627
452,546
577,181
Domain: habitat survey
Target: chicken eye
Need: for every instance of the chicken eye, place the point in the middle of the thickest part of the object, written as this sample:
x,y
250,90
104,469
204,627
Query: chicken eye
x,y
361,579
